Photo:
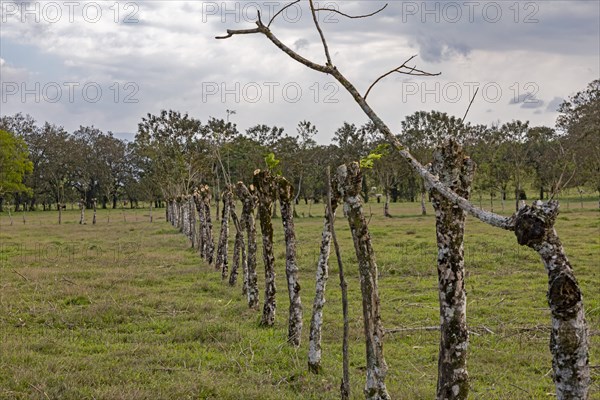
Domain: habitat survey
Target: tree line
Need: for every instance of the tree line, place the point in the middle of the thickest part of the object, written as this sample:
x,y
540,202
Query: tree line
x,y
173,152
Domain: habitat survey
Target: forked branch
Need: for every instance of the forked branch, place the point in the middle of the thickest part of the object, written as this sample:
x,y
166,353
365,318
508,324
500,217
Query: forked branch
x,y
403,69
352,16
316,21
280,11
433,181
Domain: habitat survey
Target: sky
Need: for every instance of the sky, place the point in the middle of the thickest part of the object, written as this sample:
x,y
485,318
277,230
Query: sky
x,y
110,63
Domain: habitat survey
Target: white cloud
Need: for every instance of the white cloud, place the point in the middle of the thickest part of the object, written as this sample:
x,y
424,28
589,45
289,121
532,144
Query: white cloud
x,y
172,57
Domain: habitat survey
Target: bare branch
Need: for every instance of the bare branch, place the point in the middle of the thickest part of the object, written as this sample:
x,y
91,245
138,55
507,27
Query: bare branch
x,y
485,216
352,16
280,11
468,108
231,32
327,69
314,15
411,71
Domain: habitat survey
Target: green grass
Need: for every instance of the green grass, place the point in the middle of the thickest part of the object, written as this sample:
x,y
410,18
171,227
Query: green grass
x,y
126,310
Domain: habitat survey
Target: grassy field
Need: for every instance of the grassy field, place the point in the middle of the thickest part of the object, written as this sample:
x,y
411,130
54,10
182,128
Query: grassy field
x,y
126,310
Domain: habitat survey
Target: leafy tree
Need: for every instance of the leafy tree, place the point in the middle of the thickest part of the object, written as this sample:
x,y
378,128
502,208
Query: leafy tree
x,y
14,163
170,152
579,120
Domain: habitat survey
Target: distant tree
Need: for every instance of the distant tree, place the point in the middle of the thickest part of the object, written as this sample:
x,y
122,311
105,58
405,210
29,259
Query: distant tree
x,y
14,163
170,152
579,120
423,131
551,158
515,149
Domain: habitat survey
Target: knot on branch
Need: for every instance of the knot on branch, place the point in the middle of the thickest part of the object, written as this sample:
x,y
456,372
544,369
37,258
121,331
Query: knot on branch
x,y
453,168
564,296
285,189
349,179
263,183
534,223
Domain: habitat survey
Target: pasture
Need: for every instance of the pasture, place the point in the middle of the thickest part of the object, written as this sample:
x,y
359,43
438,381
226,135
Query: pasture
x,y
127,310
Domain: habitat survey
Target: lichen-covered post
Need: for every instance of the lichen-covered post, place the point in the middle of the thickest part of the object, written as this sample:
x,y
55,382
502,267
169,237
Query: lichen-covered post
x,y
192,217
222,258
349,183
239,252
180,213
246,195
201,224
265,190
534,227
185,219
286,195
208,228
316,320
456,172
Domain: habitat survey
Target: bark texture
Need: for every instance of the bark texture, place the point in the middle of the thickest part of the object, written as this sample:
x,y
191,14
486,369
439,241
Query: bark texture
x,y
185,221
286,195
349,183
246,195
569,345
209,243
239,253
316,321
222,258
456,172
265,190
192,220
201,224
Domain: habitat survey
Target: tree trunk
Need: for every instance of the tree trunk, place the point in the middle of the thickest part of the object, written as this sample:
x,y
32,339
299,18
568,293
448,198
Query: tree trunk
x,y
150,210
423,207
94,204
386,206
222,258
201,224
239,252
316,321
456,172
59,208
345,385
208,227
349,179
185,217
192,219
286,192
263,182
81,212
247,222
534,227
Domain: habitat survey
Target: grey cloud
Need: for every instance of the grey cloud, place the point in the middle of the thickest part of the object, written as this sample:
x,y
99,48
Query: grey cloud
x,y
300,44
527,100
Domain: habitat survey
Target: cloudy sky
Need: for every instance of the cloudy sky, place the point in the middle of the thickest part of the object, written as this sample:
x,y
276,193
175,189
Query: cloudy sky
x,y
109,63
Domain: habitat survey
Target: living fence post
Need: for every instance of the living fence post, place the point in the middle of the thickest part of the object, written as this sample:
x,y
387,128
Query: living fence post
x,y
456,172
